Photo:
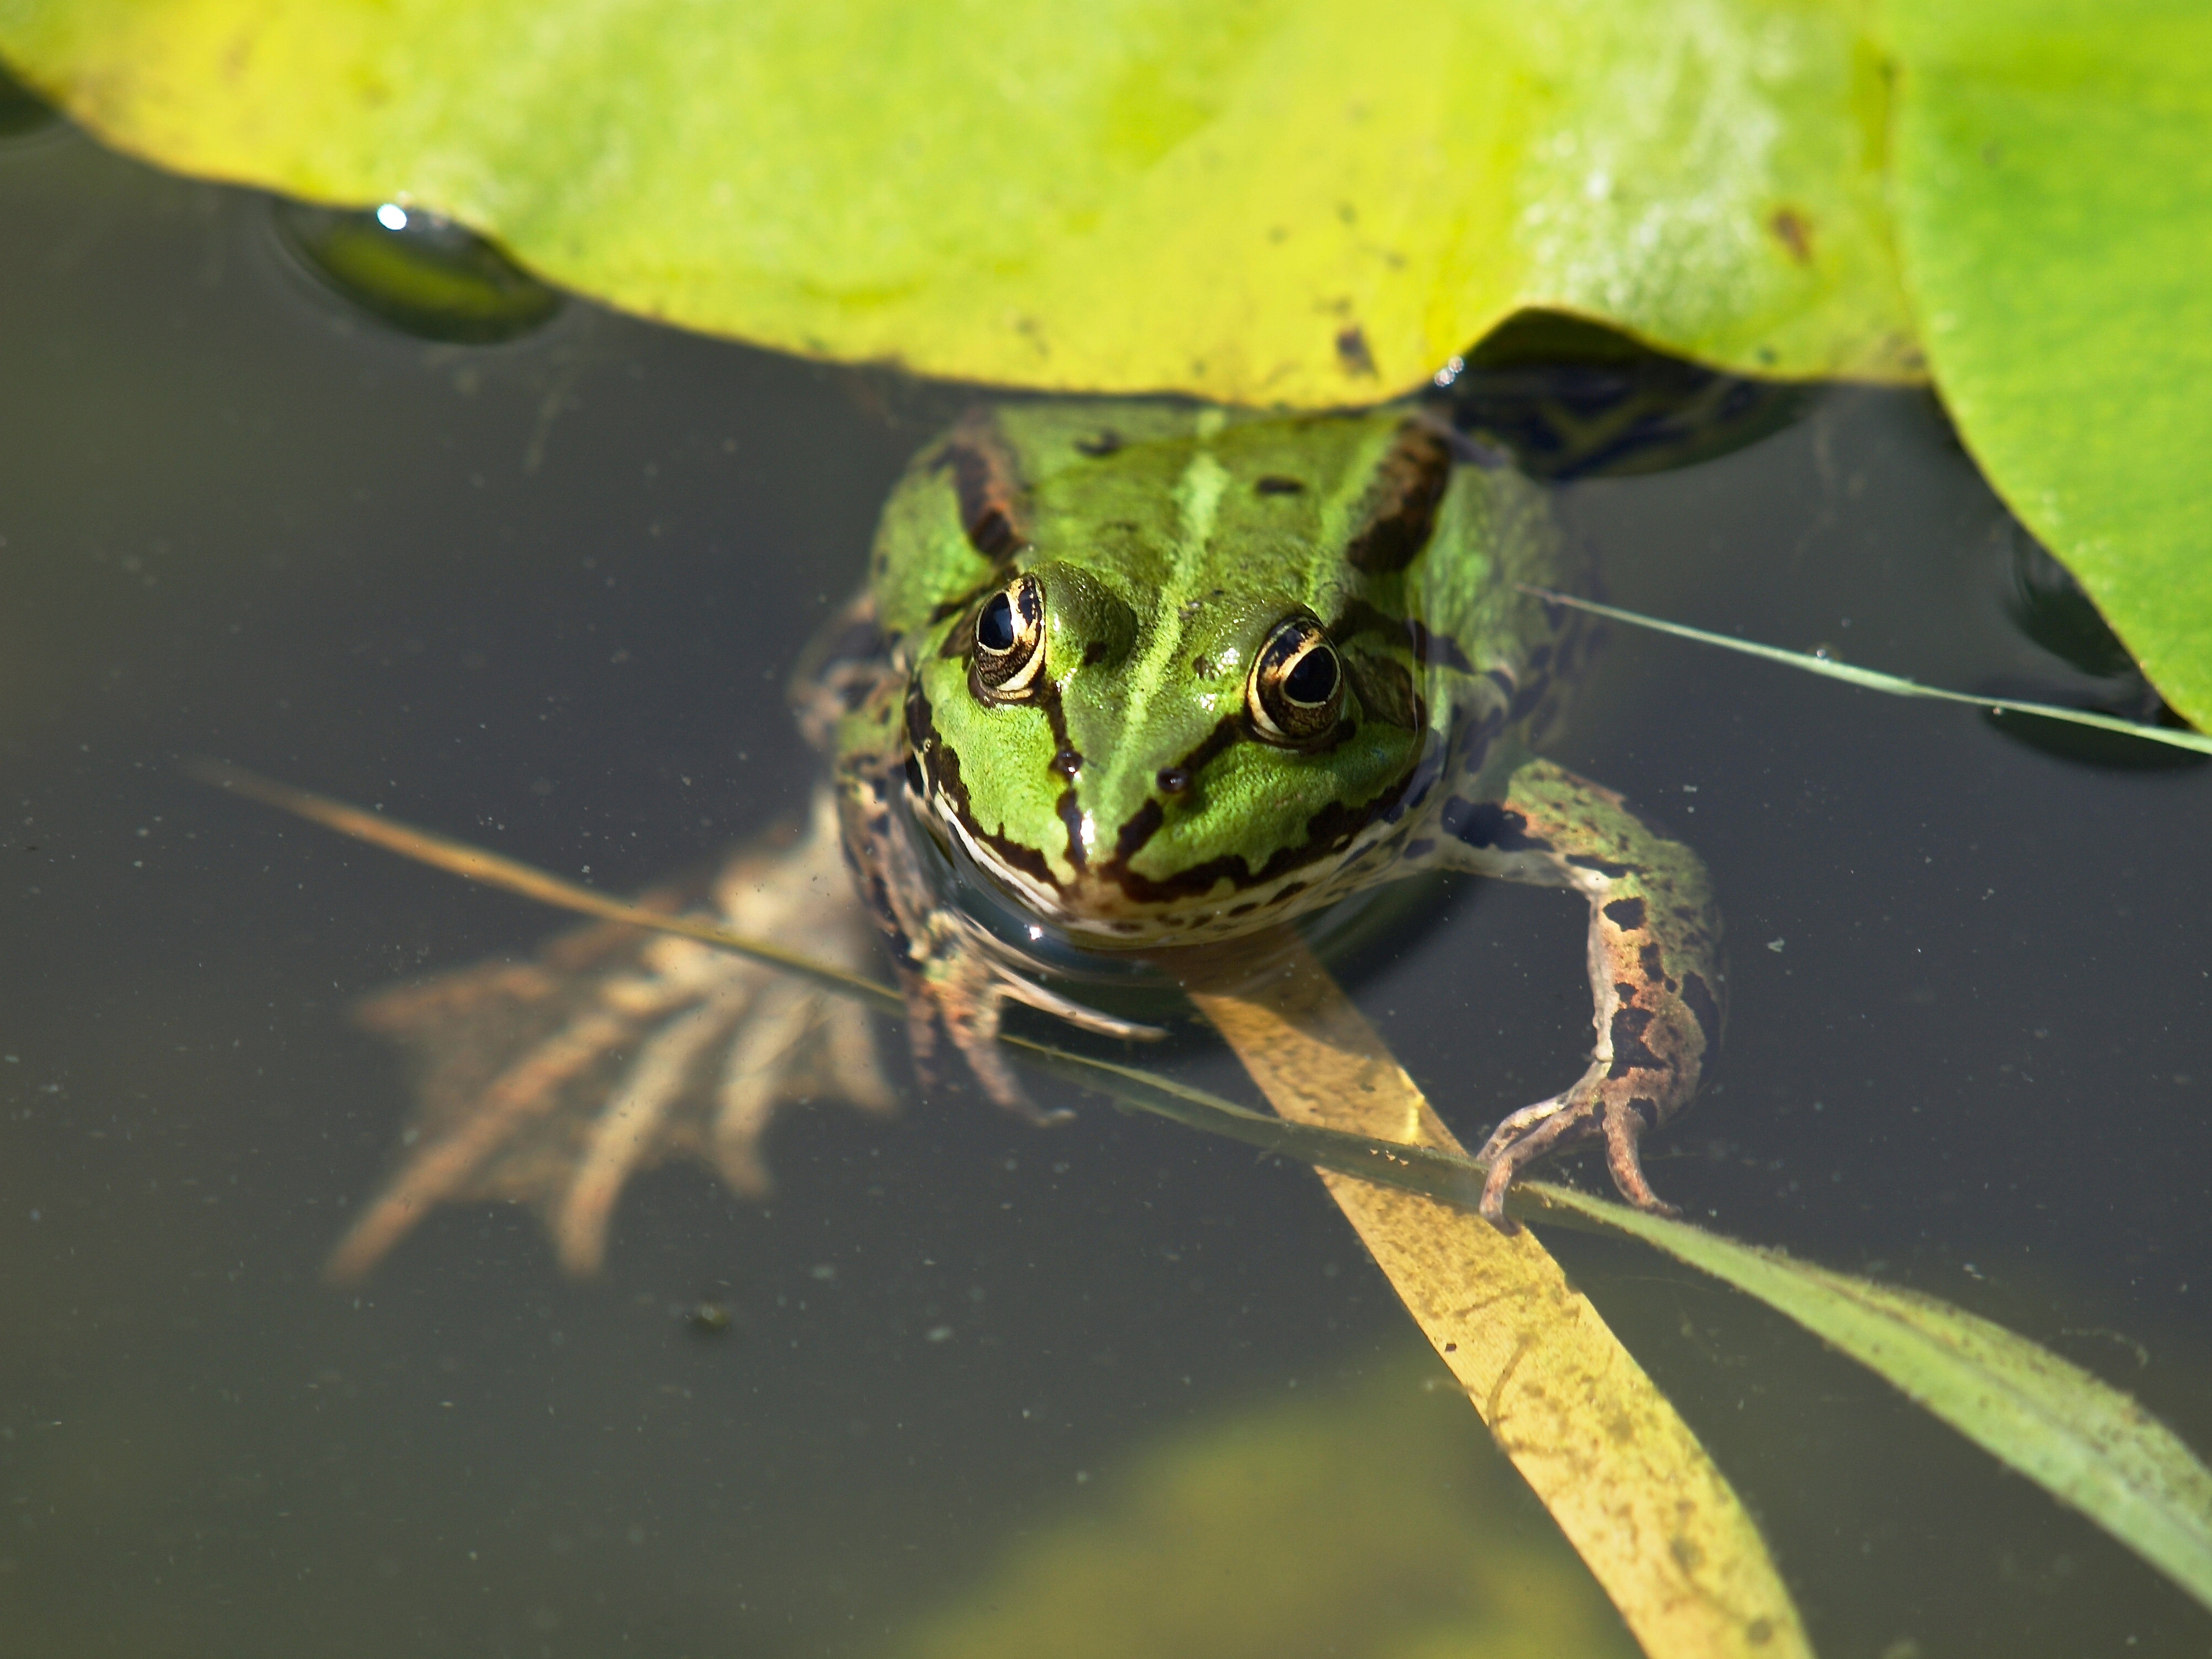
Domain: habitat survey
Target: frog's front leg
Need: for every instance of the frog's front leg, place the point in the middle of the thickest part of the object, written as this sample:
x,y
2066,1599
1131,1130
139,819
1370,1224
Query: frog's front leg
x,y
955,976
1655,964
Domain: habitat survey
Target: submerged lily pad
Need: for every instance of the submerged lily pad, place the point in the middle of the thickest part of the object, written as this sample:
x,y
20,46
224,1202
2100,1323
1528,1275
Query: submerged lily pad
x,y
1297,201
1374,1522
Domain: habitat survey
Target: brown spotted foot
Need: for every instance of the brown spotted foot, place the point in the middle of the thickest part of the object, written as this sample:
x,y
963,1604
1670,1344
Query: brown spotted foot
x,y
1655,978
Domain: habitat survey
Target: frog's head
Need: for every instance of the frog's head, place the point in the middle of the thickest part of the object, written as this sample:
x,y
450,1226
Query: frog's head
x,y
1137,762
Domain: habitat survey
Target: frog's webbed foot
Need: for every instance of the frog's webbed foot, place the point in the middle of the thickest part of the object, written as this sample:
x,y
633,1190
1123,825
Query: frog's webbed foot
x,y
1587,1110
554,1081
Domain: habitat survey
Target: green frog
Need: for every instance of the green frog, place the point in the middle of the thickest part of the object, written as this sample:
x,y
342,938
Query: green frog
x,y
1160,674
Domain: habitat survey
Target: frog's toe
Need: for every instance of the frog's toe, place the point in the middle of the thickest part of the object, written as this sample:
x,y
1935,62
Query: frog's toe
x,y
1624,1124
1582,1113
759,1075
1015,987
632,1128
799,1044
967,997
1530,1135
854,1070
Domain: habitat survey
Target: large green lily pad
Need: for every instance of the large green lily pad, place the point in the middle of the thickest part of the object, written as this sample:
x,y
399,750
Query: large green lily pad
x,y
2054,171
1294,201
1304,202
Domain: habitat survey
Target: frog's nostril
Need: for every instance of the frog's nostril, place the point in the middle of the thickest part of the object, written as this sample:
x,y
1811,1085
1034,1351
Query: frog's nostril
x,y
1173,780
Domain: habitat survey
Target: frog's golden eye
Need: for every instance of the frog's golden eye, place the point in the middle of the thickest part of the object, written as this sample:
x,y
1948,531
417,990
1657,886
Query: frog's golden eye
x,y
1296,693
1010,641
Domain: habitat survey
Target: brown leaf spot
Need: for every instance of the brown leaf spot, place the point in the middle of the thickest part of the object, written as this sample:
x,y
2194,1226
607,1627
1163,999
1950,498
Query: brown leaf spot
x,y
1795,232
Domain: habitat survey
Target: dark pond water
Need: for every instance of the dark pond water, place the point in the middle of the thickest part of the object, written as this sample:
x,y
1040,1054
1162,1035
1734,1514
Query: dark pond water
x,y
544,594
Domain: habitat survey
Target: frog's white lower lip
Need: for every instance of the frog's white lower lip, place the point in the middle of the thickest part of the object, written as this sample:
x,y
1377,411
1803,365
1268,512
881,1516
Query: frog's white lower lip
x,y
1041,896
1101,909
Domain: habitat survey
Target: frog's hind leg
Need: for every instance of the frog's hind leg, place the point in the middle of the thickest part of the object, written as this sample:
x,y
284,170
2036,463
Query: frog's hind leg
x,y
1654,965
555,1080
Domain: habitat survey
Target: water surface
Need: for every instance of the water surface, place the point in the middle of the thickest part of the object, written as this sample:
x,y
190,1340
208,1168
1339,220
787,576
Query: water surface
x,y
545,595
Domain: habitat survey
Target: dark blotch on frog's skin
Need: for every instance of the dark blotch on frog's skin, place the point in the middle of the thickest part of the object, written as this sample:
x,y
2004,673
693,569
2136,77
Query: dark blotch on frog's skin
x,y
1630,1051
1628,914
1141,829
1275,484
1698,997
987,486
1487,824
1400,511
1071,818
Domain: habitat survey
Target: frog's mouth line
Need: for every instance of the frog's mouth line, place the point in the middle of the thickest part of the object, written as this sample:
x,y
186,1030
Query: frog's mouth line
x,y
1097,906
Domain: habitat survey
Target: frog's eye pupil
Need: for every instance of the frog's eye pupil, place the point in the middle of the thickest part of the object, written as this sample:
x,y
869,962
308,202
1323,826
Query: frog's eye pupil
x,y
1313,681
994,629
1296,696
1008,658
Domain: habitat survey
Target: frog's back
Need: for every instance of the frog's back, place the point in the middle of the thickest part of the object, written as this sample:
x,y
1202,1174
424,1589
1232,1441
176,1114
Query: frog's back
x,y
1171,503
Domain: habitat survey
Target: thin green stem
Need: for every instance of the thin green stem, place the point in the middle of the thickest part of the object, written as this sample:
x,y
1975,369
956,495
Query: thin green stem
x,y
1895,685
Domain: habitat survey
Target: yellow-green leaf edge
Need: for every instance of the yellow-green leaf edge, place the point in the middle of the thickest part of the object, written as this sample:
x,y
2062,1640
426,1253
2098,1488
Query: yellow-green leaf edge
x,y
2054,200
